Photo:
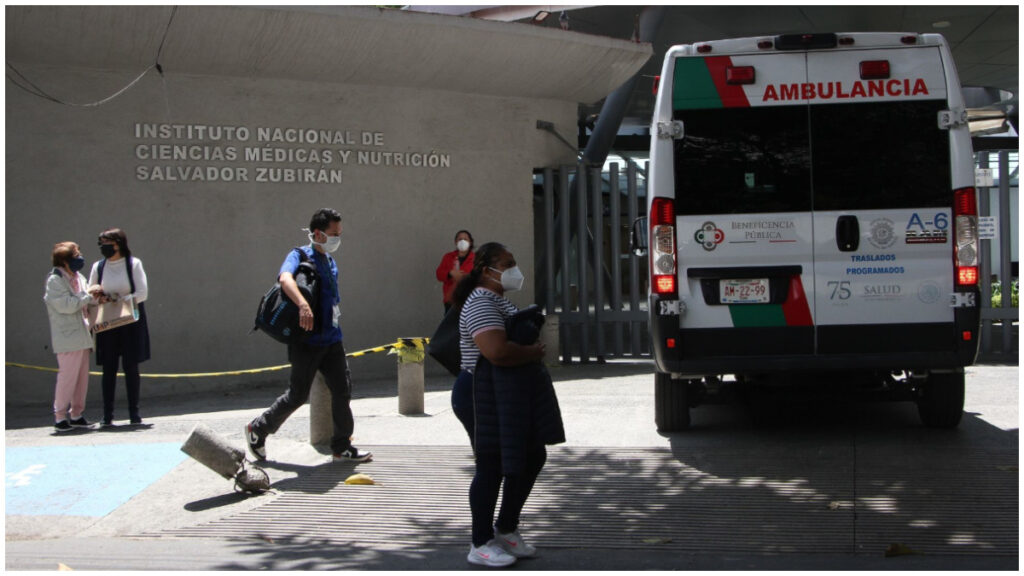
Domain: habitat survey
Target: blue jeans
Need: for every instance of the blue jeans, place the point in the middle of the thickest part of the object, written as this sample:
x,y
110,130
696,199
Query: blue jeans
x,y
462,403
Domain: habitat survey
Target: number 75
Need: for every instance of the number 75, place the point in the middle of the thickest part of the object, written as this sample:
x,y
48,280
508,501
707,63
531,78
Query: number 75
x,y
840,289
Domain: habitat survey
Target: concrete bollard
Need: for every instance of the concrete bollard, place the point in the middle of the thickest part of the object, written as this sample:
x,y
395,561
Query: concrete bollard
x,y
549,336
321,420
212,451
410,388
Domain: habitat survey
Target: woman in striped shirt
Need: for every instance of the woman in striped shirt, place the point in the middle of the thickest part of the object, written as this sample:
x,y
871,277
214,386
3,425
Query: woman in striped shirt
x,y
484,310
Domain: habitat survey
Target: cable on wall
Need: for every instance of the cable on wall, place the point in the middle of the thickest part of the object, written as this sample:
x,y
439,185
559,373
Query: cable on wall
x,y
21,81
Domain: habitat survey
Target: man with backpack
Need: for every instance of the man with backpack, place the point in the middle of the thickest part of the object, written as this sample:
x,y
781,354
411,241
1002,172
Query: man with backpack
x,y
322,350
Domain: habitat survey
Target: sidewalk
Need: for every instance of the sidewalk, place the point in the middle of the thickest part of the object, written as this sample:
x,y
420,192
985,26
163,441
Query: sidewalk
x,y
722,496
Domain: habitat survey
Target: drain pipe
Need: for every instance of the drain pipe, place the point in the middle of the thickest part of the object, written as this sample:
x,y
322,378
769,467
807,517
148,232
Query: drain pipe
x,y
614,109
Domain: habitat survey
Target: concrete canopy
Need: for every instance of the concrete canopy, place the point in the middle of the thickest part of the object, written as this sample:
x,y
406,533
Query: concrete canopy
x,y
349,45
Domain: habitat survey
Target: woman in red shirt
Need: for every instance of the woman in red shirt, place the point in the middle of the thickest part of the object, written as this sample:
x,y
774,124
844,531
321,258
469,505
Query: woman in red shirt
x,y
455,264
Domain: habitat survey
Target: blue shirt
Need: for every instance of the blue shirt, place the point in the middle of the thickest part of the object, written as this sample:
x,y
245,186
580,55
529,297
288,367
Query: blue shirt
x,y
327,269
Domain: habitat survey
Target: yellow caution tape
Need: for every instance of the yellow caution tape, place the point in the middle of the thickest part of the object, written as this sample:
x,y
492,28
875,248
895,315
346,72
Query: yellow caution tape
x,y
410,350
403,344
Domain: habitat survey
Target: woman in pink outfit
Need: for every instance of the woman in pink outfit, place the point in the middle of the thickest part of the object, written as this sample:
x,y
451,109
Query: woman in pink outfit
x,y
67,299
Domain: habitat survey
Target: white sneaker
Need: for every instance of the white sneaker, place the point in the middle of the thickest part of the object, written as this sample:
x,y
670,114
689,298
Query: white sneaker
x,y
490,554
514,544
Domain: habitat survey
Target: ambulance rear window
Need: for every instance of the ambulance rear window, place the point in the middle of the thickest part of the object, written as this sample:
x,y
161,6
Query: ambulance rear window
x,y
741,160
799,158
880,155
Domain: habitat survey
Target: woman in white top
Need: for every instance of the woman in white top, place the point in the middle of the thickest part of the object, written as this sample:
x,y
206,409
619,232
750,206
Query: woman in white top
x,y
66,303
119,275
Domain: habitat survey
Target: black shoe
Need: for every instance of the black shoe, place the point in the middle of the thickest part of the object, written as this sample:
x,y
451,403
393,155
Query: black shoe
x,y
81,422
136,420
63,426
256,442
353,454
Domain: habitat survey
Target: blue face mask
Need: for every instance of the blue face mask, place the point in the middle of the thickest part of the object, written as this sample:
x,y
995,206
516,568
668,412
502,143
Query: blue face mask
x,y
76,263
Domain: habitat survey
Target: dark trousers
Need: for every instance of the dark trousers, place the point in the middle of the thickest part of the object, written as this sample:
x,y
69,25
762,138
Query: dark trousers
x,y
488,478
109,382
306,361
483,493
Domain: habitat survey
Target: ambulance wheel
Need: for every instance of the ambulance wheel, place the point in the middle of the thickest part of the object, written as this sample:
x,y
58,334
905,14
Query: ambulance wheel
x,y
941,400
671,406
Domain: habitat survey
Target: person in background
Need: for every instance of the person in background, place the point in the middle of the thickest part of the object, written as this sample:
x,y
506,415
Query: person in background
x,y
119,275
323,351
66,300
484,311
455,265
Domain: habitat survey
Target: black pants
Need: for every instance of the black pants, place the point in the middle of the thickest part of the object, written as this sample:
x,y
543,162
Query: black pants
x,y
488,478
132,380
306,361
483,493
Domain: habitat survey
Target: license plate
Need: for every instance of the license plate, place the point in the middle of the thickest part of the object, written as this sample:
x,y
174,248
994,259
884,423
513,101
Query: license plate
x,y
747,291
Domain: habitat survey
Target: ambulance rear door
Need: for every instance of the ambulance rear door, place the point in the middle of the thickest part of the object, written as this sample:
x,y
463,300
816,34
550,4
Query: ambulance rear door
x,y
743,204
882,199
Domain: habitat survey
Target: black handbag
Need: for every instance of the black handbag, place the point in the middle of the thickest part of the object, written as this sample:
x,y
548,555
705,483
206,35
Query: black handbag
x,y
278,317
444,344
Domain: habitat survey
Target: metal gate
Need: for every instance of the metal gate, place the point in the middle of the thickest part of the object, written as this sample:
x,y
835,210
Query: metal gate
x,y
1001,341
587,277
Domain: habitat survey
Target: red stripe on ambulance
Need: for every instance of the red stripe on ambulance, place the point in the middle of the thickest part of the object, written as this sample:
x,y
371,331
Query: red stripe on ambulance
x,y
842,91
732,96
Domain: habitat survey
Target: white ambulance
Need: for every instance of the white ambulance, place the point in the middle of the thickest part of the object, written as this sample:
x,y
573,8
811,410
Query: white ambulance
x,y
811,211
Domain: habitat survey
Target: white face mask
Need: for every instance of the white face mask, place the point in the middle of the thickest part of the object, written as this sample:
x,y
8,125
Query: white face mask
x,y
330,246
511,279
462,245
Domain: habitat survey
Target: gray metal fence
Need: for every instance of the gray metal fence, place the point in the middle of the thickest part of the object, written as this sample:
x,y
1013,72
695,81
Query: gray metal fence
x,y
998,329
590,281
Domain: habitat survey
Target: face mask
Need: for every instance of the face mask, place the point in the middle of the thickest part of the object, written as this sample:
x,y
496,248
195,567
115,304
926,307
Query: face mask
x,y
511,279
462,245
330,246
76,263
108,250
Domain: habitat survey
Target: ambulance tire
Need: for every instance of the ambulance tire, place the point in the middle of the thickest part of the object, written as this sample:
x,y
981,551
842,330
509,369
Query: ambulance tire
x,y
941,403
671,404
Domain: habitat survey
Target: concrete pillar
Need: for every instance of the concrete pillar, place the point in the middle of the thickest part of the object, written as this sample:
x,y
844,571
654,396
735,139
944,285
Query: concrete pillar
x,y
410,388
549,336
321,422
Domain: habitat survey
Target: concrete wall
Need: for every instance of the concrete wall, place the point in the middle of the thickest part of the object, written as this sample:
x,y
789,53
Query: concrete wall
x,y
210,246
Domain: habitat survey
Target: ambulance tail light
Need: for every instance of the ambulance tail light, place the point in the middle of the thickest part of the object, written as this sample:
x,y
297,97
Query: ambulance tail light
x,y
874,70
965,230
736,75
663,246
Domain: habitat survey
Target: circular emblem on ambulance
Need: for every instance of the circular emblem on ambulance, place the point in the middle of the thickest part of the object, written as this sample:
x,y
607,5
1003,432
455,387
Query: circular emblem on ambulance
x,y
928,293
883,235
709,236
